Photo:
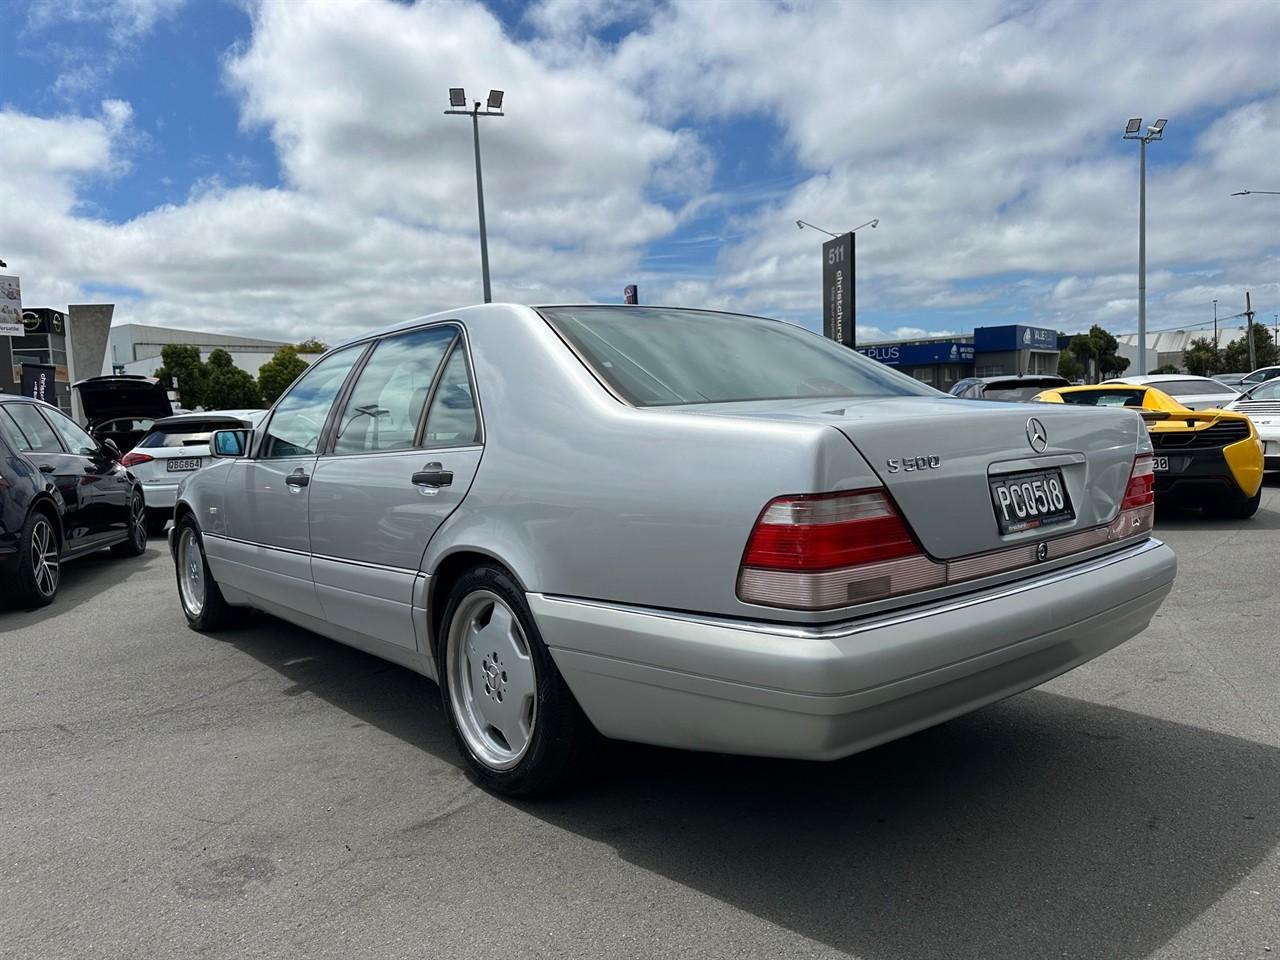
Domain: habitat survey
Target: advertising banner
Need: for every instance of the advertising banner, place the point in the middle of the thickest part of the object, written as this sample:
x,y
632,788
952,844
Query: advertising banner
x,y
631,294
37,382
837,290
10,307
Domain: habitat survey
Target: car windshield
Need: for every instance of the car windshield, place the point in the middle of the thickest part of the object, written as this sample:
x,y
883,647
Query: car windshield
x,y
191,433
655,356
1191,387
1266,391
1104,398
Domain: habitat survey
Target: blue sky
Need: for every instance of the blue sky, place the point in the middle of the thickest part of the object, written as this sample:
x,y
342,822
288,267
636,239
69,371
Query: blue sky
x,y
293,157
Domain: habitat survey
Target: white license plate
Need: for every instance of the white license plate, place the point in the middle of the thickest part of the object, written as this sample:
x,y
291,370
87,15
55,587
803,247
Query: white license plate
x,y
178,464
1161,464
1027,501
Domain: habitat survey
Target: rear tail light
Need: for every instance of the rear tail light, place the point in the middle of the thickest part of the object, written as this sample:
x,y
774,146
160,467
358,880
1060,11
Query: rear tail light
x,y
132,459
1138,508
820,551
816,551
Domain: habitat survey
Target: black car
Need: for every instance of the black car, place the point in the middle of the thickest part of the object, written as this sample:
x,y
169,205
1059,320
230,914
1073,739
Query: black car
x,y
121,408
63,494
1011,388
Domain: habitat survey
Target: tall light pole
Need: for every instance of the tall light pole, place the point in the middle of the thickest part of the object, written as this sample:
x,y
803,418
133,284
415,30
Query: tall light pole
x,y
1132,131
1215,323
493,108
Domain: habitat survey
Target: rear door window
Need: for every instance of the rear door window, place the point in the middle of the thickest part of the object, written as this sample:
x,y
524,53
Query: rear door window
x,y
385,406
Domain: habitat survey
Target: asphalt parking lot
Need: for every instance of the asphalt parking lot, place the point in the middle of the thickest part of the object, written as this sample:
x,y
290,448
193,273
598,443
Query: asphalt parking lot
x,y
270,793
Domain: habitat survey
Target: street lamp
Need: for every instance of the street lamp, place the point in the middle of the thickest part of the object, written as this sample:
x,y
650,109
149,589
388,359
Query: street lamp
x,y
1215,323
1245,193
1132,131
493,108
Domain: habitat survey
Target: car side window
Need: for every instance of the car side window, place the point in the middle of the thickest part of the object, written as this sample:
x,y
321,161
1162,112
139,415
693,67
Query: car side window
x,y
77,441
35,428
12,433
298,421
385,405
452,419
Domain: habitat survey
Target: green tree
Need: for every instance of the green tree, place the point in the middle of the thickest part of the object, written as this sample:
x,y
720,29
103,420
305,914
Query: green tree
x,y
182,364
1202,358
1106,353
227,387
280,371
1082,347
1235,356
1069,366
1164,368
312,345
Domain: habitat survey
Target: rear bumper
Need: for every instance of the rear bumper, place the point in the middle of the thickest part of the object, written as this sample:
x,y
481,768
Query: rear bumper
x,y
700,683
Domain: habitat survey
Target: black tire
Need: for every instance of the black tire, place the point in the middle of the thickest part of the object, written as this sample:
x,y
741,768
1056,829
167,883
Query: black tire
x,y
1239,507
157,520
213,612
136,545
563,745
37,583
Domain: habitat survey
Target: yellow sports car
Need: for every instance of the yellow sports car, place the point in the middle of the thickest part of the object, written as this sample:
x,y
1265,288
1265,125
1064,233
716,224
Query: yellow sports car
x,y
1205,458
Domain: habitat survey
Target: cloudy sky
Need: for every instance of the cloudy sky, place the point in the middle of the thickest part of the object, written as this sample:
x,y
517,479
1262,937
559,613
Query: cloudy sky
x,y
285,168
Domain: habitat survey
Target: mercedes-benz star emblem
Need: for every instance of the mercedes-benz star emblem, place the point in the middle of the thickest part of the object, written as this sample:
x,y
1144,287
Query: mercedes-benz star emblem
x,y
1037,436
1042,551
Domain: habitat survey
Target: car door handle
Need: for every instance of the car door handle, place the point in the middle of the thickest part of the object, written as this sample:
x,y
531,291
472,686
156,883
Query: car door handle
x,y
47,468
434,477
298,479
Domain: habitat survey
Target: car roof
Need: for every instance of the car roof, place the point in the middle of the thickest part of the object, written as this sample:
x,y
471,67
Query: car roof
x,y
1032,378
1162,378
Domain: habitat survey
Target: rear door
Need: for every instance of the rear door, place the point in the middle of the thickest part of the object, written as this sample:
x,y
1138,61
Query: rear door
x,y
404,451
267,551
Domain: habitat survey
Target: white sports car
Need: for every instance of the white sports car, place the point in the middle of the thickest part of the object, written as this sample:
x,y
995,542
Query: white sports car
x,y
1262,406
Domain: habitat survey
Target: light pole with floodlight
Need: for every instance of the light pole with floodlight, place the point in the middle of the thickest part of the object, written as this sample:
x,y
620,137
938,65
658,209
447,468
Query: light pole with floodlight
x,y
1245,193
1132,132
493,108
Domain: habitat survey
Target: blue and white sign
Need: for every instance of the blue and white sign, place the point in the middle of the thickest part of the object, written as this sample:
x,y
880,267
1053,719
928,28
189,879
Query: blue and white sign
x,y
1014,337
919,354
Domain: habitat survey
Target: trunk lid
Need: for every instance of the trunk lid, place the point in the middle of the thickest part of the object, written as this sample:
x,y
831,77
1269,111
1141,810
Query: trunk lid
x,y
107,398
955,447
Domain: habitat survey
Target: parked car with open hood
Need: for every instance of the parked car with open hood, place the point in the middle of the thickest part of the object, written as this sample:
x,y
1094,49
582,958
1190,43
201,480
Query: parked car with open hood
x,y
63,495
1210,459
679,527
173,448
1262,406
122,407
1194,393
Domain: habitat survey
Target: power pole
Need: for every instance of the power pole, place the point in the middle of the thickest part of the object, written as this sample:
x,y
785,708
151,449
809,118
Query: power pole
x,y
1248,314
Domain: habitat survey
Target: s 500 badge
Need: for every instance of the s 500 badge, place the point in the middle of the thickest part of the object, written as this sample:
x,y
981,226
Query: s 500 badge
x,y
908,464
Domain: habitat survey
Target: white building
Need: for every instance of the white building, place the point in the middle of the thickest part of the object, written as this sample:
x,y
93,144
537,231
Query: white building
x,y
1167,346
135,348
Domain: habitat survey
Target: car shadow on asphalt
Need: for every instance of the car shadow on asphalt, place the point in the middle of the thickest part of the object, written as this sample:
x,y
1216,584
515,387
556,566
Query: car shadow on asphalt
x,y
1043,826
81,580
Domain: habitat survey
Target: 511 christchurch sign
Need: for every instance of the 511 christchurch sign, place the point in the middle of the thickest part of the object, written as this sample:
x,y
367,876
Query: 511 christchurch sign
x,y
837,290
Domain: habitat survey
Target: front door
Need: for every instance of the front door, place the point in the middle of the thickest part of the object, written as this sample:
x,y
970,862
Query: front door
x,y
104,484
404,452
266,550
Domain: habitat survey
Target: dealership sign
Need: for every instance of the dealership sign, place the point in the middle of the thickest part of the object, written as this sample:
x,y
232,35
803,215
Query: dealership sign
x,y
837,290
920,354
37,382
10,307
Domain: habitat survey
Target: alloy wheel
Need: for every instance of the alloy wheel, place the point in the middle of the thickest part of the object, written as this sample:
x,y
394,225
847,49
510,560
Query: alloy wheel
x,y
45,564
492,680
138,522
190,573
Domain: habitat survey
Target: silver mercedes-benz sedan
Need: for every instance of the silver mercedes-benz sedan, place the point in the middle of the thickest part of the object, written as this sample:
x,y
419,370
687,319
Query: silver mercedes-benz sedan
x,y
679,527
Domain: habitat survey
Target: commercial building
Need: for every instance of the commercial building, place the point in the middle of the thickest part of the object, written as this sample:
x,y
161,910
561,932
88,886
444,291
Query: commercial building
x,y
988,351
136,348
43,349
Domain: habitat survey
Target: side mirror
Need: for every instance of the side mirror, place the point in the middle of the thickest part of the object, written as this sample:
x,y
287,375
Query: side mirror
x,y
229,443
113,451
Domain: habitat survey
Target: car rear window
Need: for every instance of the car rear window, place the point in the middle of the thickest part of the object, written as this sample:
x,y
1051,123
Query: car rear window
x,y
1189,388
1015,391
1104,398
191,433
655,356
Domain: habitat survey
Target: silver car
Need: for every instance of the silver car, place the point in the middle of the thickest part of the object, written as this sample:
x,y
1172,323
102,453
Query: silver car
x,y
678,527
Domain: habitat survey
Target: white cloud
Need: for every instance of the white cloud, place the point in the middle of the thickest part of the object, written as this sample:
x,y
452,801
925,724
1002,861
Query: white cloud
x,y
985,135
